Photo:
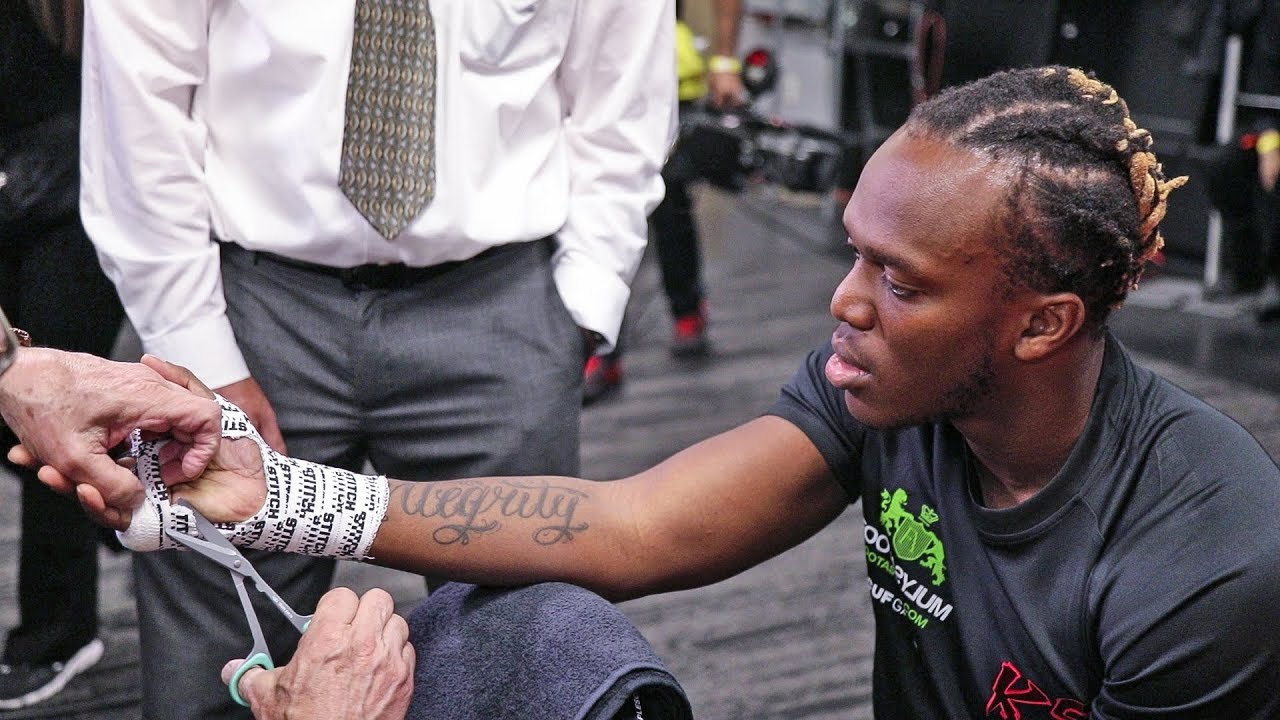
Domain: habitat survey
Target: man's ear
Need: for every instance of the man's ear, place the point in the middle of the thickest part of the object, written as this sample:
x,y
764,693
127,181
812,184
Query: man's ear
x,y
1048,325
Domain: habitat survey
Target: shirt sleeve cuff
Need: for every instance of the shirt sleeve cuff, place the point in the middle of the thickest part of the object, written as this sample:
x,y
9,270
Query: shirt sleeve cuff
x,y
207,348
595,296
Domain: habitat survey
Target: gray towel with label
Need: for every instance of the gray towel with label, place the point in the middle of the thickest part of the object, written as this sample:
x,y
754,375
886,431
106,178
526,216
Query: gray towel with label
x,y
550,651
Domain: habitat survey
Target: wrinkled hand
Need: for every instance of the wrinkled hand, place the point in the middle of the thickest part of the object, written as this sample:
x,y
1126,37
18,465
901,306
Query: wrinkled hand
x,y
248,396
231,487
71,410
353,662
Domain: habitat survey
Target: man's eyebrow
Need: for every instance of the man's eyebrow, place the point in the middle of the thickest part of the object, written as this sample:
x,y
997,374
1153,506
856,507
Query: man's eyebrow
x,y
890,259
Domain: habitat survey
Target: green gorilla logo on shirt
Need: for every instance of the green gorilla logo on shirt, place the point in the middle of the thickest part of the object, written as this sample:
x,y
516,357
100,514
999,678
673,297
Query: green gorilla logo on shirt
x,y
912,538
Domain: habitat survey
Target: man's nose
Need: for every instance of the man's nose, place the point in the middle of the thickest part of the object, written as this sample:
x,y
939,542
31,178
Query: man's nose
x,y
852,302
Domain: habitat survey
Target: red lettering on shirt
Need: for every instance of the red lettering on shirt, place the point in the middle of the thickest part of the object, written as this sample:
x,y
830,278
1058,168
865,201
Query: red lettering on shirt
x,y
1013,695
1012,691
1068,709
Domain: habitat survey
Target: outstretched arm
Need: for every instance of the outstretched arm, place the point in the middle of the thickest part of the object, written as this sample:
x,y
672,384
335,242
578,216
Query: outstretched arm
x,y
706,513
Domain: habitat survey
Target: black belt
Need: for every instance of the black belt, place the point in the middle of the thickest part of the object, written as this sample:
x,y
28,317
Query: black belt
x,y
380,276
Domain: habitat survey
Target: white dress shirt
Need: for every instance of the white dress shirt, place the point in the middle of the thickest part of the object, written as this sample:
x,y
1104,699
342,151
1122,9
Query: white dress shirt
x,y
225,117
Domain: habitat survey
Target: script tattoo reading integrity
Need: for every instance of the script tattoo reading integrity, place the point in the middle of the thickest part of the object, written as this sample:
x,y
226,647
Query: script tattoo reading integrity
x,y
474,508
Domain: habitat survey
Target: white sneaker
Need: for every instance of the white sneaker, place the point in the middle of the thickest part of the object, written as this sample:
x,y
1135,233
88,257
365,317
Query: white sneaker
x,y
23,685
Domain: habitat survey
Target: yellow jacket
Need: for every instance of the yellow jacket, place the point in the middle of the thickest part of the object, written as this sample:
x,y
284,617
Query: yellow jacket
x,y
691,68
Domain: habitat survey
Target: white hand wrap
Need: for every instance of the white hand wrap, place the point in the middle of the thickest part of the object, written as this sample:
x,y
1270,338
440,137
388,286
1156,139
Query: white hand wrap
x,y
311,509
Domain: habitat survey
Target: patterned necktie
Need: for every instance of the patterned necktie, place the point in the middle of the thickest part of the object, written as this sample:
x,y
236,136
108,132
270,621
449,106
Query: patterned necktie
x,y
388,143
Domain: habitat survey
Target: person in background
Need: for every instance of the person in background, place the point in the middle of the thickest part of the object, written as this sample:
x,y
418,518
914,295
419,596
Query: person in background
x,y
717,80
391,230
1048,526
1242,177
52,284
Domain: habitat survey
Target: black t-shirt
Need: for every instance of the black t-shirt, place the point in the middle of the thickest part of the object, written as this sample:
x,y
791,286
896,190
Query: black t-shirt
x,y
1143,581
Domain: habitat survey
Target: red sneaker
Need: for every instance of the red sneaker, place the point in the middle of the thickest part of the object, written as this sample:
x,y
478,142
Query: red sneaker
x,y
602,374
689,338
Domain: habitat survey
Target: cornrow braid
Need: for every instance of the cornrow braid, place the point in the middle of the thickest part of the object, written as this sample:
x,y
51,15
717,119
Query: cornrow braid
x,y
1084,208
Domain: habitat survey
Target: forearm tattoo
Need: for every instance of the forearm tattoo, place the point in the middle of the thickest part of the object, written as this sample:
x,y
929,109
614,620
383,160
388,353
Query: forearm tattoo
x,y
471,508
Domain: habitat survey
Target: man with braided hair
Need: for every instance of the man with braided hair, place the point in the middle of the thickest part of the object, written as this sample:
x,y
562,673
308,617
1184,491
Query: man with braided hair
x,y
1051,531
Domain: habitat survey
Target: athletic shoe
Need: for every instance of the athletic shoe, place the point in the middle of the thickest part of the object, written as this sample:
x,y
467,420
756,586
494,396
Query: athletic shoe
x,y
602,375
689,337
23,684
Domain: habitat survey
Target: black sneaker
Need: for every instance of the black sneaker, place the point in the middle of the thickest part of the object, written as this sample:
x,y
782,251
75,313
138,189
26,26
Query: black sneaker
x,y
22,685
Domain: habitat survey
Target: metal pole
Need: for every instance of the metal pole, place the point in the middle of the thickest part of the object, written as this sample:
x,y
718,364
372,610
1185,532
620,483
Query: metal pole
x,y
1225,133
1230,93
839,34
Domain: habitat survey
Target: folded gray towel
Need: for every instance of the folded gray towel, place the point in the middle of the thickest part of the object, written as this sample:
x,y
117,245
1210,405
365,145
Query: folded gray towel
x,y
542,652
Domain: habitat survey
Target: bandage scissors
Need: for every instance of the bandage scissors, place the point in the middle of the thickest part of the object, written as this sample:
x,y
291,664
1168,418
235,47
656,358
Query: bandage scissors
x,y
217,548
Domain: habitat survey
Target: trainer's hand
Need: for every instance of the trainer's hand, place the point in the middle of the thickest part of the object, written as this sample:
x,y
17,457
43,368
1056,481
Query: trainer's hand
x,y
353,662
248,396
71,410
232,486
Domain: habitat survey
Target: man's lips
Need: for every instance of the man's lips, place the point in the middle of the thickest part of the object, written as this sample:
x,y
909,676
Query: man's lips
x,y
845,369
844,374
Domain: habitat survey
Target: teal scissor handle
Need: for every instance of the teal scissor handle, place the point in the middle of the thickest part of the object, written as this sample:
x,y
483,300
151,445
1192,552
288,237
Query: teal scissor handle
x,y
214,546
261,660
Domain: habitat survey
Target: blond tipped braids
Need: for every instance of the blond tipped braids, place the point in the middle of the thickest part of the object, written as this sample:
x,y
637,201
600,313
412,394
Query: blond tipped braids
x,y
1088,194
1146,177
